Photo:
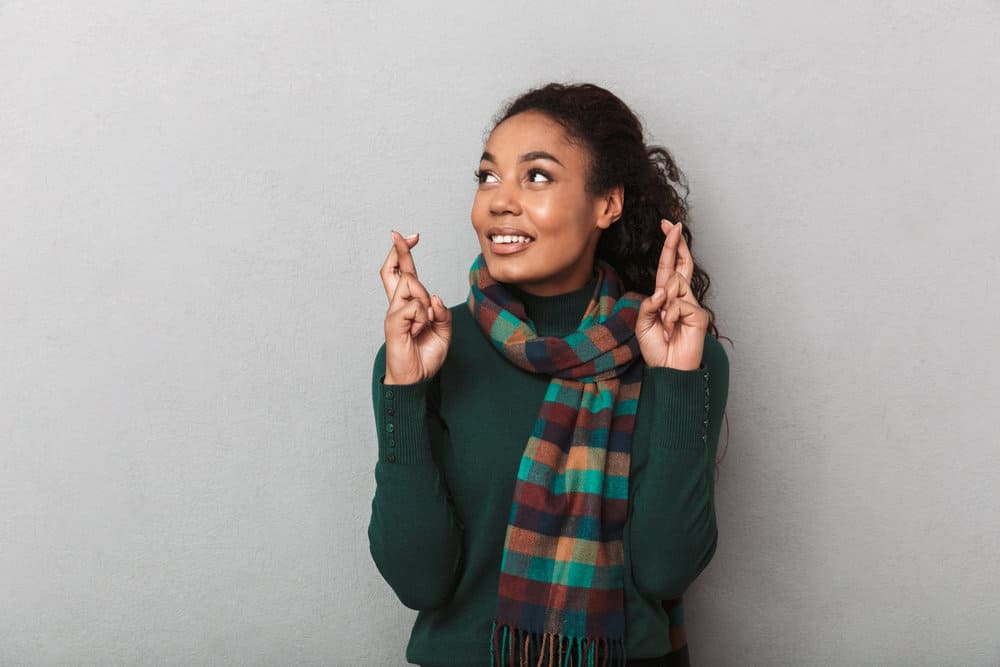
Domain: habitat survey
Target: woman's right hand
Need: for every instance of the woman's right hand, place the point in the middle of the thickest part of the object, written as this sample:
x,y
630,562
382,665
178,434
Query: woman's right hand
x,y
417,325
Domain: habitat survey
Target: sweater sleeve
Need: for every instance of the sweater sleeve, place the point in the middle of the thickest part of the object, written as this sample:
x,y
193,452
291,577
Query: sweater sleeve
x,y
671,532
414,536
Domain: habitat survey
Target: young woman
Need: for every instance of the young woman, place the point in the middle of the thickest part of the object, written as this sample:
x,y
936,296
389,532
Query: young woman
x,y
546,450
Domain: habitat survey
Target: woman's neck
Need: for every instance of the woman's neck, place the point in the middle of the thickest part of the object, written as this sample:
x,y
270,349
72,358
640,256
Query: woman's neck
x,y
556,315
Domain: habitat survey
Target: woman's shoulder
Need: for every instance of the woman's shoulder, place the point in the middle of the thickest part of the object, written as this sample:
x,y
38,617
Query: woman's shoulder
x,y
716,361
461,320
714,353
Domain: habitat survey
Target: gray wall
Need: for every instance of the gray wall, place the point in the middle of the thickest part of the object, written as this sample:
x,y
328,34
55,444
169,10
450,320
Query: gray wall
x,y
195,199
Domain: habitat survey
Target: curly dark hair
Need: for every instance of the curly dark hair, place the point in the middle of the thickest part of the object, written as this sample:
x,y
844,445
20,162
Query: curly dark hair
x,y
613,136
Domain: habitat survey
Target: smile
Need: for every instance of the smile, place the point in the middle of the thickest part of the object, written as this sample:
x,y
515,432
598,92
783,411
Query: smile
x,y
508,240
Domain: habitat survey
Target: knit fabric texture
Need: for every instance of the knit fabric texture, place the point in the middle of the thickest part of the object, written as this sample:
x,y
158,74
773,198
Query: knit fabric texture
x,y
560,597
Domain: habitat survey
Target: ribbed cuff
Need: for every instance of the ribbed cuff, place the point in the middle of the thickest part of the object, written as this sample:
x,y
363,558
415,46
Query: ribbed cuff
x,y
680,403
401,410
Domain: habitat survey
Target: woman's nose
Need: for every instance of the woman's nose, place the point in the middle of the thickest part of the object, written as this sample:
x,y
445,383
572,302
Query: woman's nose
x,y
506,199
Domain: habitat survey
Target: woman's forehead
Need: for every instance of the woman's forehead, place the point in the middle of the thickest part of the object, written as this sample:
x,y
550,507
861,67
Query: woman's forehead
x,y
529,131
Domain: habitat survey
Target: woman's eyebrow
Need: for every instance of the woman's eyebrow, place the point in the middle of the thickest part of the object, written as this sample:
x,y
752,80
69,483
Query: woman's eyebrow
x,y
540,155
527,157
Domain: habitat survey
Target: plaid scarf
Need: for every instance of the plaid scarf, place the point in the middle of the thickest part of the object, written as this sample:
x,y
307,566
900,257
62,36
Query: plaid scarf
x,y
561,597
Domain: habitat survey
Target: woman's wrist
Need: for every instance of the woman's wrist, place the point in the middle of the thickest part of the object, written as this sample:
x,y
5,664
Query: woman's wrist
x,y
679,367
388,378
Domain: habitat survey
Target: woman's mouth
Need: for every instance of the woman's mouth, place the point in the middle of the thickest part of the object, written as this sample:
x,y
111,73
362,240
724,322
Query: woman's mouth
x,y
508,244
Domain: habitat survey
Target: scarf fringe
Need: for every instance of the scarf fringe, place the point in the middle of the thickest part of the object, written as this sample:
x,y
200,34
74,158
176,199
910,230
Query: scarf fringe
x,y
514,647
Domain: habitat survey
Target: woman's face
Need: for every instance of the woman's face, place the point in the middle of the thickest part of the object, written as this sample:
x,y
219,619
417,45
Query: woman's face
x,y
537,225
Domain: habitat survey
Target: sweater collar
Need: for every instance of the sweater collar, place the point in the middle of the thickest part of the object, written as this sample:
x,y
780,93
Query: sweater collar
x,y
557,315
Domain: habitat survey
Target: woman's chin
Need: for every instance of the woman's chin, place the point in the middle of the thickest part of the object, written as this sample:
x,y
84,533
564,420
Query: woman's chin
x,y
502,269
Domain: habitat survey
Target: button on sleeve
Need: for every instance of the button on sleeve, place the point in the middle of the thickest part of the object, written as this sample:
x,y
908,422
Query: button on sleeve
x,y
400,413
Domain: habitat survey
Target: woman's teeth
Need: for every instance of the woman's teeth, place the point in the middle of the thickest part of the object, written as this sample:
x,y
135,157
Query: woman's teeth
x,y
511,239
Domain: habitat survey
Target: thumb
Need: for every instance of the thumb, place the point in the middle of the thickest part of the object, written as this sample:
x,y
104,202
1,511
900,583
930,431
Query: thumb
x,y
649,310
442,315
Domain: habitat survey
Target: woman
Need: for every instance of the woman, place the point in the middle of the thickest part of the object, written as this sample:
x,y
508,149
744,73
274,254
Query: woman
x,y
546,450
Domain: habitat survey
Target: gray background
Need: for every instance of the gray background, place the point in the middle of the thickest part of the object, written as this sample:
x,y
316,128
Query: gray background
x,y
195,199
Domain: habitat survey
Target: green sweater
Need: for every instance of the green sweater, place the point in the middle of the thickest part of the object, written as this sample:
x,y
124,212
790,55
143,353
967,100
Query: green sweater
x,y
448,454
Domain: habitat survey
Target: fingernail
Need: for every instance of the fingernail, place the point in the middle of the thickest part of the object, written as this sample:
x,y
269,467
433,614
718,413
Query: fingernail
x,y
412,236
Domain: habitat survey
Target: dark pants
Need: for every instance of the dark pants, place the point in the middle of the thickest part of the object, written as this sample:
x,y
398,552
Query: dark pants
x,y
678,658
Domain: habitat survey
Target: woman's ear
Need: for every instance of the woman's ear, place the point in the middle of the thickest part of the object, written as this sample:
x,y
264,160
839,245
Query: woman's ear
x,y
609,206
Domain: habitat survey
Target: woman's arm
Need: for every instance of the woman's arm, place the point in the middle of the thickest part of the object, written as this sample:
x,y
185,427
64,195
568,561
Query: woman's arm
x,y
414,535
671,530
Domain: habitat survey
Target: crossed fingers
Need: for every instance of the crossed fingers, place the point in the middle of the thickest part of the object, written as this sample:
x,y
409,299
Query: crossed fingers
x,y
398,262
413,302
406,294
675,258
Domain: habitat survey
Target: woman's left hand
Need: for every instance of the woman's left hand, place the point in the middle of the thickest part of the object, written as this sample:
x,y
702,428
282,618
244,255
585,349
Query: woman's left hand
x,y
671,325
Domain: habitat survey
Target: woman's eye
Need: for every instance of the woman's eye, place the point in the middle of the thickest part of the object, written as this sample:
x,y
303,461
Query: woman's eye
x,y
538,176
485,176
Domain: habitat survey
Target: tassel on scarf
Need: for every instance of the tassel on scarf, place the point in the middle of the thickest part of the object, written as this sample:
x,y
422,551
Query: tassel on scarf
x,y
513,647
